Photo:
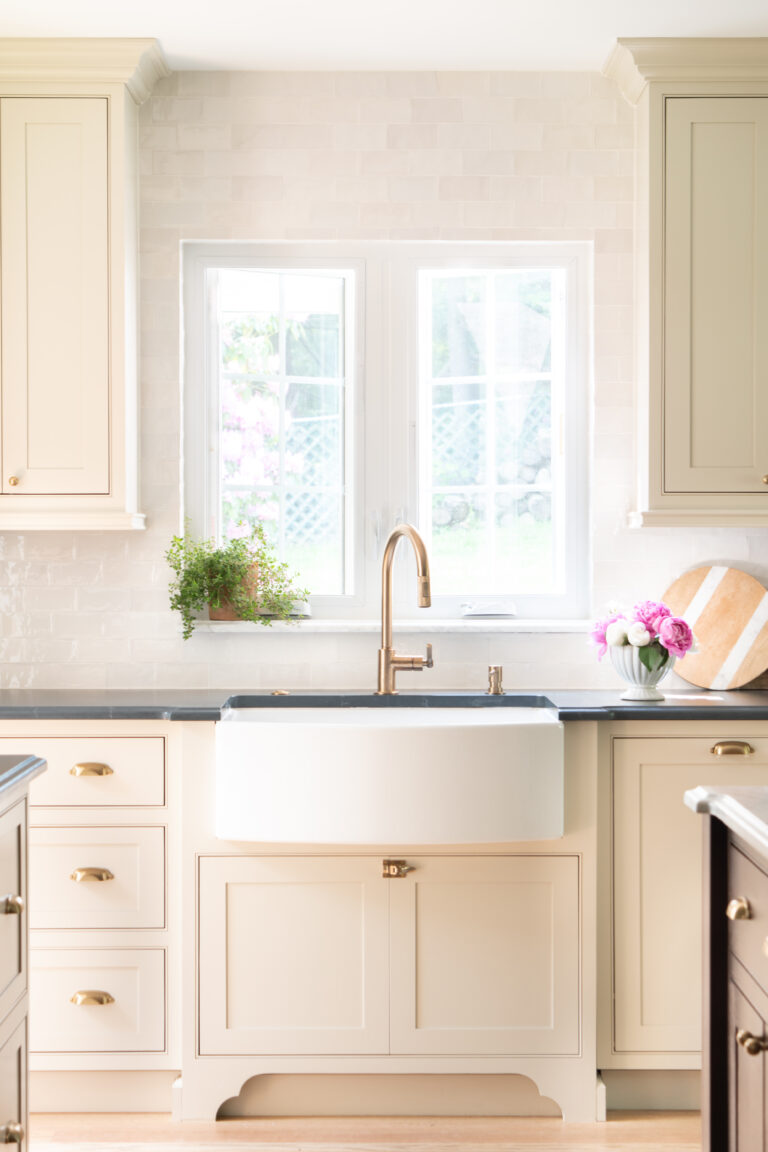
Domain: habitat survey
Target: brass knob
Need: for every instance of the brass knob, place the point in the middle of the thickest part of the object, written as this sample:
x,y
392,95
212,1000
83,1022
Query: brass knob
x,y
81,874
738,909
395,869
752,1045
91,996
13,481
11,1133
91,770
11,905
765,480
731,748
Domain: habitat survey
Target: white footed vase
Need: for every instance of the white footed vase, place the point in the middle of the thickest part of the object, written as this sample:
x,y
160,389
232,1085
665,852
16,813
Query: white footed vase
x,y
642,683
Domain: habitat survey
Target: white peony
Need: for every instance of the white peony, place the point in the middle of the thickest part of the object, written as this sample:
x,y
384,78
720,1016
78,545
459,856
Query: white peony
x,y
638,635
616,633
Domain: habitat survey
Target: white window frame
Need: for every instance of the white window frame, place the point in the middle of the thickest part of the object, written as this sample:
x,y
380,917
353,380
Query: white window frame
x,y
386,414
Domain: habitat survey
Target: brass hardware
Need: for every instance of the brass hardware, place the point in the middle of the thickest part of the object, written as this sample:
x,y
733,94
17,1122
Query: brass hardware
x,y
389,662
91,769
731,748
81,874
11,905
765,947
495,673
91,996
395,869
752,1045
738,909
13,481
11,1133
280,692
765,480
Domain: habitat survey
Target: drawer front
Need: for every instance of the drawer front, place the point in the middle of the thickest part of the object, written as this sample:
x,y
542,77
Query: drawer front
x,y
13,1074
95,771
105,877
131,984
13,907
748,939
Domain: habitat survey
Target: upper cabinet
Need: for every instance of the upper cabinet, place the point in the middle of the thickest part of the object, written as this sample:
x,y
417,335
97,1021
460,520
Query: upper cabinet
x,y
68,281
701,234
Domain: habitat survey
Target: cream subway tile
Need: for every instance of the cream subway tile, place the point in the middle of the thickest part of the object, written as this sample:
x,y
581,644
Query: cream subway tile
x,y
153,651
158,137
149,600
463,84
311,234
490,214
462,136
613,292
201,188
365,137
620,317
94,599
435,162
303,190
176,164
590,215
334,163
160,265
160,293
463,187
531,215
337,214
39,599
614,240
203,83
16,573
158,240
131,675
612,420
385,215
388,162
257,188
437,111
42,546
160,317
205,137
412,189
413,84
19,624
592,163
427,214
356,84
285,136
102,650
70,676
163,89
386,110
175,111
75,573
514,137
146,164
620,136
566,85
491,163
181,674
515,83
516,188
571,189
625,214
540,163
11,650
412,135
356,188
230,219
568,137
543,111
593,111
260,84
604,88
490,110
324,110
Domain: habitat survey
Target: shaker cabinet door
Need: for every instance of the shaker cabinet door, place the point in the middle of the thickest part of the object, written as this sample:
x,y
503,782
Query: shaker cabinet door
x,y
55,296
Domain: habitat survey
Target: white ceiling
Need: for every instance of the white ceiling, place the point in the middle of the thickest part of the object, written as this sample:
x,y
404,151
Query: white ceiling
x,y
385,34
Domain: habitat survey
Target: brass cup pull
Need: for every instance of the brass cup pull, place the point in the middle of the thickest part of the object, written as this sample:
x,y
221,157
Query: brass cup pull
x,y
738,909
91,770
81,874
732,748
395,869
752,1045
11,1133
91,996
11,905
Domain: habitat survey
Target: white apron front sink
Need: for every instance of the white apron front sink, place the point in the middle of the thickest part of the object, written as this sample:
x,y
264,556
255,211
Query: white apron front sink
x,y
387,776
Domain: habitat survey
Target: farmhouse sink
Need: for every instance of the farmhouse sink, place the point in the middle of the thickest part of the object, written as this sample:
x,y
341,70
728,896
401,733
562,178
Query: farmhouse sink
x,y
397,774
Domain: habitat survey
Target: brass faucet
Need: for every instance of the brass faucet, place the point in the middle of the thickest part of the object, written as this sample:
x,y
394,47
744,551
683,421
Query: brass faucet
x,y
389,662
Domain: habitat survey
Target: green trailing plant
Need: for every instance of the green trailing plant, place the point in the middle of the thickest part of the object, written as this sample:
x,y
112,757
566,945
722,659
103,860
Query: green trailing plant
x,y
243,573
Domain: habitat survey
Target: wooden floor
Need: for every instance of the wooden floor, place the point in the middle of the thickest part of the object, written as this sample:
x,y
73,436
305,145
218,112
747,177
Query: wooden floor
x,y
624,1132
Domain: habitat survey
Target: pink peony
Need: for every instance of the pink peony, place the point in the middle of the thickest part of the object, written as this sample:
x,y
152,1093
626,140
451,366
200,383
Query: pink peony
x,y
650,613
675,635
597,634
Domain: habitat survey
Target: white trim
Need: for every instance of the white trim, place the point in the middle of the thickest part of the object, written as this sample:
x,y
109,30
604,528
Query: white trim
x,y
136,62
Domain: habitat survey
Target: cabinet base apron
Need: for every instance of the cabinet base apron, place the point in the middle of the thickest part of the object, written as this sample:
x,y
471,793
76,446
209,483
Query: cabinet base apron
x,y
570,1083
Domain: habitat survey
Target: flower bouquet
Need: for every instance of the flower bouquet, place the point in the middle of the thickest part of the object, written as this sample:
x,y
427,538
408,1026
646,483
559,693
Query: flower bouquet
x,y
643,645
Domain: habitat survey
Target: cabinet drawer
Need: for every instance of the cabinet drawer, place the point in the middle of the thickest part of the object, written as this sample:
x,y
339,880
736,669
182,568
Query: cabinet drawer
x,y
95,771
13,1072
748,939
105,877
131,980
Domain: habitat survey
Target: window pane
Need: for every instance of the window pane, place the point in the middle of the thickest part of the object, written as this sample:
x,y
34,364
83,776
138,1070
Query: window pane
x,y
283,397
458,433
458,325
523,322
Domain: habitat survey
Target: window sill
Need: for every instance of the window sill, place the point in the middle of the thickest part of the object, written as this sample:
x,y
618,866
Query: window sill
x,y
427,625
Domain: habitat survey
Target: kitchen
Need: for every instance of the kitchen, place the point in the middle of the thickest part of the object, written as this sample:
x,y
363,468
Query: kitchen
x,y
513,156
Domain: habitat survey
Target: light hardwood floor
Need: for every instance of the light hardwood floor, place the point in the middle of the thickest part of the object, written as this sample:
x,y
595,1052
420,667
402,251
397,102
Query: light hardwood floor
x,y
624,1132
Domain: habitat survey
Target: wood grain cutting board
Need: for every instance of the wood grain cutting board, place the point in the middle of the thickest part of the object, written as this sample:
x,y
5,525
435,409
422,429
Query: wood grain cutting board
x,y
728,612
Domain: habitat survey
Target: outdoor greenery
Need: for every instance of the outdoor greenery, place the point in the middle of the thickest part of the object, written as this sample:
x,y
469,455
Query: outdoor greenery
x,y
243,572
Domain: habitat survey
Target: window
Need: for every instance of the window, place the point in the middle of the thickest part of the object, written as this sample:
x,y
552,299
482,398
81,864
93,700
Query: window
x,y
332,390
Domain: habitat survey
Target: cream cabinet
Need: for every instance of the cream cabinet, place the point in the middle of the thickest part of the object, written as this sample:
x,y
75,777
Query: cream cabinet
x,y
462,955
652,990
702,277
102,847
68,239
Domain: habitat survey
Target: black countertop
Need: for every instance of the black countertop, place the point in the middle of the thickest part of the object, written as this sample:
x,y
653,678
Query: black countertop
x,y
207,704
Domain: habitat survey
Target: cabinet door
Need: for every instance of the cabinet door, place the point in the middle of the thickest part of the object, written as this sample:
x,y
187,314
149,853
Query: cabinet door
x,y
657,887
485,956
715,400
293,955
13,914
13,1077
55,296
747,1074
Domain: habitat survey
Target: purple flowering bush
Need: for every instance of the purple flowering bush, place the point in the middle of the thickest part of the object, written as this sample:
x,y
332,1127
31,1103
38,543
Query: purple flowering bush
x,y
650,627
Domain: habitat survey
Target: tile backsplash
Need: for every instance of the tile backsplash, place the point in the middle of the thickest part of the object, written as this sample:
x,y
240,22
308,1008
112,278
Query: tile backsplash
x,y
320,156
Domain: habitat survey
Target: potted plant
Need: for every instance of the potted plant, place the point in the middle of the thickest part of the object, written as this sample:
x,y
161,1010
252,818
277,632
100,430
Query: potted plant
x,y
239,579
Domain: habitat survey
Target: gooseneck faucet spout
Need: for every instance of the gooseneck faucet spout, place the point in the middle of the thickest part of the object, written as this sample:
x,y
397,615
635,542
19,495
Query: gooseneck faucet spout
x,y
389,662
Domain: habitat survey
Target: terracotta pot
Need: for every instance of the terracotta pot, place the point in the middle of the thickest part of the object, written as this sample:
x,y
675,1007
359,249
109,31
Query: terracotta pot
x,y
226,611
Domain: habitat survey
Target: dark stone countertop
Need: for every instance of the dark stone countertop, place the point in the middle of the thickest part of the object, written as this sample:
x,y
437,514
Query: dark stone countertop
x,y
207,704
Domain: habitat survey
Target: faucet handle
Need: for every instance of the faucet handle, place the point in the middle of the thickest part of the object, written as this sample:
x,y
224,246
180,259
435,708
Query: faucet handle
x,y
429,662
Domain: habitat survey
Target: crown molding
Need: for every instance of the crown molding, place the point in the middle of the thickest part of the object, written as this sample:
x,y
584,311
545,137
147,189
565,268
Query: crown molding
x,y
136,63
634,63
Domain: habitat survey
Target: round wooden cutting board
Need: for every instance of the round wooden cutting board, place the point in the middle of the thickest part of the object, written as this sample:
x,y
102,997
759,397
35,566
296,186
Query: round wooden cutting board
x,y
728,612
